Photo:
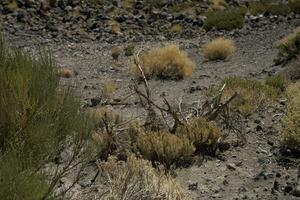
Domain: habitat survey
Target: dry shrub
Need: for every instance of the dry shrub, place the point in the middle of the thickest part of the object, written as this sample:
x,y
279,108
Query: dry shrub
x,y
164,147
288,47
104,137
115,28
66,73
135,179
218,4
251,94
116,52
219,49
166,62
108,88
291,122
129,50
202,133
176,28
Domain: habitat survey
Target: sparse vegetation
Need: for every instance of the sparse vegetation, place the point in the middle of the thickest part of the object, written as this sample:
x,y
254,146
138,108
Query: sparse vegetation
x,y
291,122
252,94
219,49
218,5
137,179
288,47
116,52
66,73
129,50
277,81
164,147
115,28
225,20
176,28
203,134
168,62
37,120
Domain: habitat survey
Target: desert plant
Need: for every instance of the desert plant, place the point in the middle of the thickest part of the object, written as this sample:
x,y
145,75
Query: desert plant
x,y
164,147
258,7
115,28
66,73
167,62
288,47
116,52
108,88
176,28
36,121
291,122
202,133
225,20
129,50
251,94
135,179
219,49
218,4
277,81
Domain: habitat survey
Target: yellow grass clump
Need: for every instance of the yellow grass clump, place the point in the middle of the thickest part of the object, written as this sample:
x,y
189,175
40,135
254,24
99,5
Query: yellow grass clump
x,y
291,122
168,62
218,5
202,133
176,28
219,49
66,73
164,147
116,52
137,179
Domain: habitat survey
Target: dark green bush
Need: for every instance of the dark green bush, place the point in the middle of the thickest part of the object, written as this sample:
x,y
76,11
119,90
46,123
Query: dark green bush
x,y
36,121
225,20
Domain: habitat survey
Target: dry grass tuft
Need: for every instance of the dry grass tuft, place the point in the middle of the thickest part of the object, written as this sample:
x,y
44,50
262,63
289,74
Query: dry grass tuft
x,y
288,47
108,88
164,147
219,49
115,28
168,62
251,94
203,134
116,52
136,179
291,122
66,73
176,28
218,5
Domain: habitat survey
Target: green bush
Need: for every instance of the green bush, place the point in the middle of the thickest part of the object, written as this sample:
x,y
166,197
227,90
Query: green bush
x,y
36,121
225,20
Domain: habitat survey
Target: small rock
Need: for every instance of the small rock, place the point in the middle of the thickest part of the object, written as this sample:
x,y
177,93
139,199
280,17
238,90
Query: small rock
x,y
231,166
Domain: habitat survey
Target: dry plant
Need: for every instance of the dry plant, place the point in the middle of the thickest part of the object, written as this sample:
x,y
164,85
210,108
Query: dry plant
x,y
218,49
288,47
116,52
165,147
108,88
115,28
168,62
251,94
203,134
136,179
291,122
176,28
218,5
66,73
